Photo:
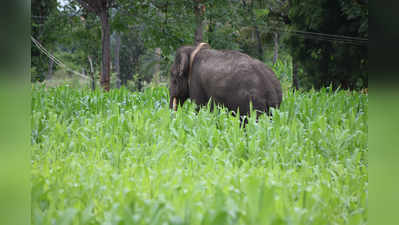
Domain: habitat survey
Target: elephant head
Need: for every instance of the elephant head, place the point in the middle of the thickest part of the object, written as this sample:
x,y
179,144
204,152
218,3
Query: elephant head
x,y
178,86
180,74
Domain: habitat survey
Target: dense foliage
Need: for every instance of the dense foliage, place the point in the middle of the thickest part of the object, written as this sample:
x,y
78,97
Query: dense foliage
x,y
330,59
151,31
42,27
123,157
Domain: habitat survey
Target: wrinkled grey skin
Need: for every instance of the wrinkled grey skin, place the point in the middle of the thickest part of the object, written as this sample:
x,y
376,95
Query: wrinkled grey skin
x,y
229,78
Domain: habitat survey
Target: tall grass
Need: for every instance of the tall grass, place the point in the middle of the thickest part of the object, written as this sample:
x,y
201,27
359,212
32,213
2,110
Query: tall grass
x,y
125,158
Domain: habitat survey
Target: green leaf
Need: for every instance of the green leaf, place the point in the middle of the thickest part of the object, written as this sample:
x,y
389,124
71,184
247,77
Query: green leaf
x,y
261,12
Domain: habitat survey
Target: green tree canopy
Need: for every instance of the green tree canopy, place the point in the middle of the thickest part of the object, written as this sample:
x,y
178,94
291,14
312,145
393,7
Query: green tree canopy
x,y
330,59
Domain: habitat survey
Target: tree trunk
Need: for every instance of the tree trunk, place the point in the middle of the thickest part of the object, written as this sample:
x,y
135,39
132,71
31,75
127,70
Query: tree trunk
x,y
140,79
275,57
117,59
106,50
157,68
93,80
260,47
295,83
345,84
198,21
210,30
50,69
257,32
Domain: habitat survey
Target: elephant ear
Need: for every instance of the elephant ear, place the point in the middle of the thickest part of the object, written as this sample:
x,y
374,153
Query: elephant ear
x,y
182,64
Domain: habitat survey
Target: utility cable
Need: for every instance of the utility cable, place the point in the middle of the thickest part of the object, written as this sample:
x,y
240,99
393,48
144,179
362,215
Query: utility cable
x,y
54,59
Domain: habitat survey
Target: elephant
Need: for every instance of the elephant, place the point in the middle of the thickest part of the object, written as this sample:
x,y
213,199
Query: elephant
x,y
229,78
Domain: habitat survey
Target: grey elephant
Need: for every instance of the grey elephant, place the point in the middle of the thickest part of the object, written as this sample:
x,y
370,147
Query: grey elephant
x,y
229,78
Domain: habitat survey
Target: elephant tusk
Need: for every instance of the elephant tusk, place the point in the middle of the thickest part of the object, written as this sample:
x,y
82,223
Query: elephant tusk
x,y
175,104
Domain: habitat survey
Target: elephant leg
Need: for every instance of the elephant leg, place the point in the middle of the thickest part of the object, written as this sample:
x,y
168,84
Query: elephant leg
x,y
198,96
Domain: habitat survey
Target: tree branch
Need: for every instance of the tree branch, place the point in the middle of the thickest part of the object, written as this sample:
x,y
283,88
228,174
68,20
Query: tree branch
x,y
86,5
97,6
111,4
279,15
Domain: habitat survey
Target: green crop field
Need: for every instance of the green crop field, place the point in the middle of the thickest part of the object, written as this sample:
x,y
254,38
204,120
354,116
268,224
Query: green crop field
x,y
124,158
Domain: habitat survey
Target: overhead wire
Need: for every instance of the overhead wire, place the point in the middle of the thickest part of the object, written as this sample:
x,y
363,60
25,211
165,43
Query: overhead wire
x,y
55,59
43,50
342,37
311,35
